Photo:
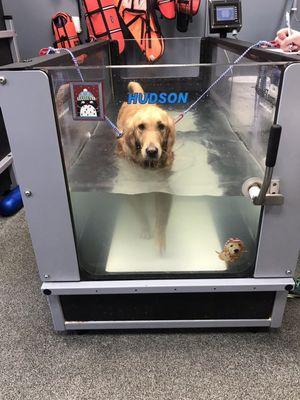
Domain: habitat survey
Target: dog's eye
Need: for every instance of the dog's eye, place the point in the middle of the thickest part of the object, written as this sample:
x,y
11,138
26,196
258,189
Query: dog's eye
x,y
231,245
138,145
141,127
161,126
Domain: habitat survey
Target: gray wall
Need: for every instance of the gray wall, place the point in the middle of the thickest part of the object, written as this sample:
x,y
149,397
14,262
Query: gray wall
x,y
261,19
32,21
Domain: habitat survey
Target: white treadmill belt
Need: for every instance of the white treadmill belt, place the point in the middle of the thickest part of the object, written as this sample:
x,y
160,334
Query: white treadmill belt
x,y
192,241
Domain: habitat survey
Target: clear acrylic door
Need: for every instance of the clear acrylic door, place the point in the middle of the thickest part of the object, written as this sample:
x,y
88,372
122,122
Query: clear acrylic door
x,y
134,218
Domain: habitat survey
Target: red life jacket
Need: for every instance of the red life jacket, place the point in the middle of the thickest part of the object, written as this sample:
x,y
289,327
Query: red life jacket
x,y
103,22
189,7
142,23
167,8
64,31
186,9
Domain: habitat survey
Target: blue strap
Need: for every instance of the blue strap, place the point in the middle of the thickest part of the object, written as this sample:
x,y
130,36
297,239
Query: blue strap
x,y
114,127
53,50
258,44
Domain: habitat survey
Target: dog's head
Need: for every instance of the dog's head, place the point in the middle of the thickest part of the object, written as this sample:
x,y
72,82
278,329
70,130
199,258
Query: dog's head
x,y
149,137
234,246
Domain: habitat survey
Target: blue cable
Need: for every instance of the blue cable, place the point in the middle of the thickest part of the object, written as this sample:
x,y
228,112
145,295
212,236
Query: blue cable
x,y
260,43
53,50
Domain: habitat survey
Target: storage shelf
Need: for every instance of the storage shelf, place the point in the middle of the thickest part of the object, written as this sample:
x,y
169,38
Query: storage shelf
x,y
7,34
5,162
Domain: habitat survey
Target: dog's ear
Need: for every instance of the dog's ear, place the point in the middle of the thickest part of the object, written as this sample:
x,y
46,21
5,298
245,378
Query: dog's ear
x,y
171,128
127,141
129,134
168,142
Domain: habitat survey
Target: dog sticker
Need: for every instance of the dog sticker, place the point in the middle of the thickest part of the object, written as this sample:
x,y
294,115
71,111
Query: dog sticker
x,y
232,251
87,100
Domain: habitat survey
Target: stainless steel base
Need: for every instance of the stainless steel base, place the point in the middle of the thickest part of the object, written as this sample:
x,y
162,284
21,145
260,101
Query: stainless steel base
x,y
53,291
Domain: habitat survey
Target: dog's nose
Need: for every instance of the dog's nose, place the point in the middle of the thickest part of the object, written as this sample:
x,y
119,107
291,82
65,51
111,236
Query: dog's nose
x,y
236,250
152,152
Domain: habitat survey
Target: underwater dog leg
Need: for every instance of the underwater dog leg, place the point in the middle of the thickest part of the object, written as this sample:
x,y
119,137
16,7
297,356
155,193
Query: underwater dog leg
x,y
163,203
138,204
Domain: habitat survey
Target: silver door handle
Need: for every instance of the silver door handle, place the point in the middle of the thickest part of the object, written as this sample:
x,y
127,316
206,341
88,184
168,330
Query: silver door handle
x,y
258,191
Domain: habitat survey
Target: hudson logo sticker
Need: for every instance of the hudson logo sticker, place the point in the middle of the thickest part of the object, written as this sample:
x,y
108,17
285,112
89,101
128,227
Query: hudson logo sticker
x,y
158,98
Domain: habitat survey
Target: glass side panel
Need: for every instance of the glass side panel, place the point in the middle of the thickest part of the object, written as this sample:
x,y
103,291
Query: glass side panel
x,y
175,52
138,211
248,98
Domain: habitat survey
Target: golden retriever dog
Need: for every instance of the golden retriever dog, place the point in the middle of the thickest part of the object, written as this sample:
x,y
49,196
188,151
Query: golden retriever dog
x,y
147,140
232,251
148,133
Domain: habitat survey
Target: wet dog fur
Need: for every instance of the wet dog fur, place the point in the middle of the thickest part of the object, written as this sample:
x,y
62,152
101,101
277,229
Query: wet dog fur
x,y
148,136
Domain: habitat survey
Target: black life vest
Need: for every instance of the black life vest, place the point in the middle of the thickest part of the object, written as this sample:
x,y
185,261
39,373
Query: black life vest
x,y
186,9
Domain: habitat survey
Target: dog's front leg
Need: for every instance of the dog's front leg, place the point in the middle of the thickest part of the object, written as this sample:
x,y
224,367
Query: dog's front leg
x,y
163,202
137,201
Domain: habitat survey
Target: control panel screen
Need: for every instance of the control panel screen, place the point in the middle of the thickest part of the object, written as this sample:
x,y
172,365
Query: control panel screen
x,y
225,14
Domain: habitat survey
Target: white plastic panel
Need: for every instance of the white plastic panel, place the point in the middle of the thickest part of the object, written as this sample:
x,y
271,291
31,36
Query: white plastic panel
x,y
27,107
279,241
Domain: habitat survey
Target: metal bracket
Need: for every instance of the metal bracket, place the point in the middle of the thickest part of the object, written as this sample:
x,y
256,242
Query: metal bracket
x,y
252,188
8,34
274,197
273,200
266,191
5,162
